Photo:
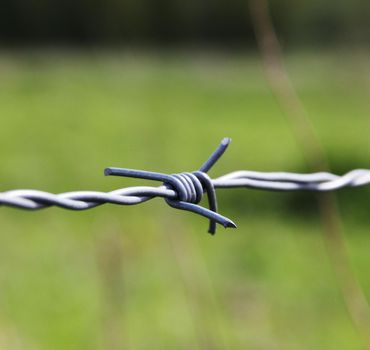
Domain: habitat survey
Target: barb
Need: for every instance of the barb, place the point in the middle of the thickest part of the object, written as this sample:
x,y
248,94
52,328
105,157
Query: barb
x,y
185,191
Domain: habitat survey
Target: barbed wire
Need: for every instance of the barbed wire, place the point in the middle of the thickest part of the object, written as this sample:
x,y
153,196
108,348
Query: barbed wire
x,y
185,190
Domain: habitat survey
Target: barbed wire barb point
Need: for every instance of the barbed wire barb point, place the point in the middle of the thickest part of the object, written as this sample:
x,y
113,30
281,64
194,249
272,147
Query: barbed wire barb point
x,y
189,187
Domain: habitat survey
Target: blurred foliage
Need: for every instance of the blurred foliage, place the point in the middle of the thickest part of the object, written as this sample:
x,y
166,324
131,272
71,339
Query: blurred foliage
x,y
149,276
173,21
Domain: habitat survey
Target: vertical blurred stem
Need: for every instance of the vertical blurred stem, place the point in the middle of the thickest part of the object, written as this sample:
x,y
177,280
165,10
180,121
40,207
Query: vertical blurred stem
x,y
110,263
206,312
292,107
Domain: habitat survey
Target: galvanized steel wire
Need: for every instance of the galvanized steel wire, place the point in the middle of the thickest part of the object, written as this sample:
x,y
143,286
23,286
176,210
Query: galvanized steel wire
x,y
184,191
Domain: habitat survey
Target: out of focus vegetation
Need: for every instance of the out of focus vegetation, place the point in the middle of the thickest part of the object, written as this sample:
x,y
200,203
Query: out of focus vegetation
x,y
325,22
149,276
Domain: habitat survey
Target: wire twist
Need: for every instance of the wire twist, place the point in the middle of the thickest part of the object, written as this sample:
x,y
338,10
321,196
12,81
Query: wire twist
x,y
185,190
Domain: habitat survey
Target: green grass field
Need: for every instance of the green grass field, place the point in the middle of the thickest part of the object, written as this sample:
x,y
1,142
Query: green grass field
x,y
149,277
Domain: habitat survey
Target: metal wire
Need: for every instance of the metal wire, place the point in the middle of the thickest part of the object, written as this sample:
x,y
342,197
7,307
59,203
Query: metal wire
x,y
184,191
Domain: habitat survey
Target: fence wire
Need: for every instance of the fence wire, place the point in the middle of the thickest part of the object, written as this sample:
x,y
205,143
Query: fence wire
x,y
185,190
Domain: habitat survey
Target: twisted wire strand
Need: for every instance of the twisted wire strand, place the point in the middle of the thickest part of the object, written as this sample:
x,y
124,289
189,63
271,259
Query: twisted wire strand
x,y
282,181
278,181
185,191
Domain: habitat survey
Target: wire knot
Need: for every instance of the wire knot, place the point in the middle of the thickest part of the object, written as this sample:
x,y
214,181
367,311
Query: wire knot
x,y
188,188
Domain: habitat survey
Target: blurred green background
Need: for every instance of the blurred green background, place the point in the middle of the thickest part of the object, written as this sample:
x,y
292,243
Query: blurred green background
x,y
149,277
